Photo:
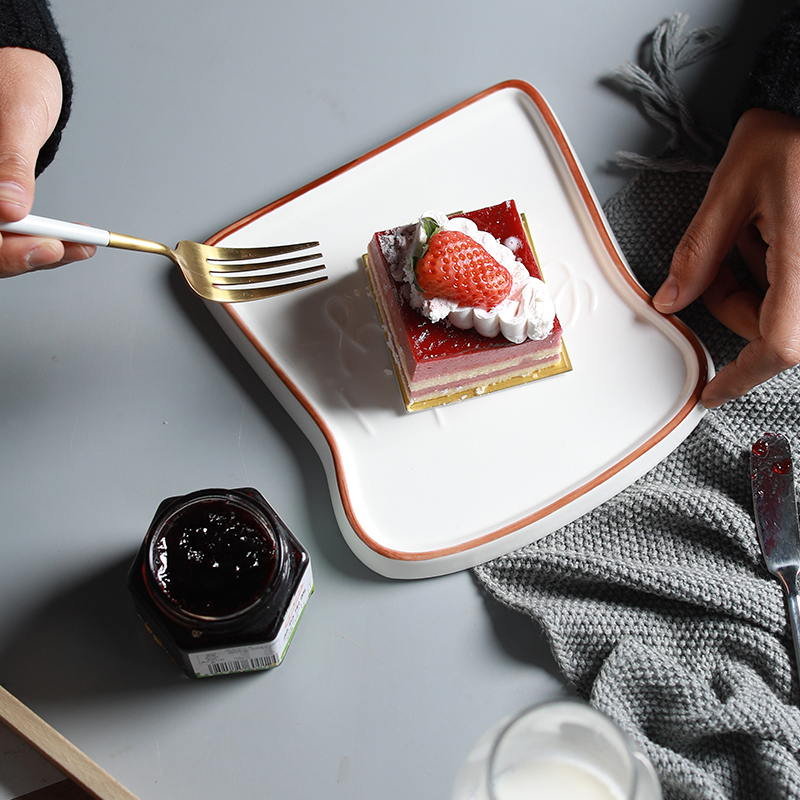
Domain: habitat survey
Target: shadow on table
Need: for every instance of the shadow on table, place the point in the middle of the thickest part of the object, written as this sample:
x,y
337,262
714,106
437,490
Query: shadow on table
x,y
519,636
84,641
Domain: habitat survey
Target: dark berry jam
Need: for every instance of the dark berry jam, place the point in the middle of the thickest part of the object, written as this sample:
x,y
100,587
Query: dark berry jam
x,y
214,558
221,582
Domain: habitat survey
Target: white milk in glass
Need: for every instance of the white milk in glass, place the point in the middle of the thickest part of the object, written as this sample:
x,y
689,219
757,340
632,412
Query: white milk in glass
x,y
562,749
554,779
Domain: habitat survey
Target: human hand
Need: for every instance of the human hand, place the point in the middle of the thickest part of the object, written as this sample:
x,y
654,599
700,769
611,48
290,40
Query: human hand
x,y
753,201
30,103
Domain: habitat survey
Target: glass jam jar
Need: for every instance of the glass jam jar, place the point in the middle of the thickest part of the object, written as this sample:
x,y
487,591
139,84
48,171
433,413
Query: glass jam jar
x,y
221,582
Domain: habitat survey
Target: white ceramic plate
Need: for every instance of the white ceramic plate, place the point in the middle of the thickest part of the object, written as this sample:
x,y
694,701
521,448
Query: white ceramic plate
x,y
441,490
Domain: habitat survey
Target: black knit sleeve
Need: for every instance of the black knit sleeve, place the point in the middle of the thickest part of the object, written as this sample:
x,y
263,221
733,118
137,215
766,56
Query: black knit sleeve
x,y
30,24
774,80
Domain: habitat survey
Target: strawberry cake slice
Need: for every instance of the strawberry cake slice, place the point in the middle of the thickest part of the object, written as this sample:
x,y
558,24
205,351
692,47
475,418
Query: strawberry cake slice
x,y
463,305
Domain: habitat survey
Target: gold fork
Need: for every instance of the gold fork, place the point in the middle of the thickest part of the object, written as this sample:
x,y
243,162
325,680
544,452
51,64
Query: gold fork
x,y
221,274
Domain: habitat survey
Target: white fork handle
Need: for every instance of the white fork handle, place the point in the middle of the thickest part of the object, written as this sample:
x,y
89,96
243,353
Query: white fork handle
x,y
56,229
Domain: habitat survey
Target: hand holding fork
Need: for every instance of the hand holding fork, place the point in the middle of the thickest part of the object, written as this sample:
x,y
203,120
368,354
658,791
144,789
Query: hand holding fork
x,y
221,274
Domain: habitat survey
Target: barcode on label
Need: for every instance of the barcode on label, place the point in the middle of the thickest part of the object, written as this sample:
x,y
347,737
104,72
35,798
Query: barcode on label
x,y
248,658
245,665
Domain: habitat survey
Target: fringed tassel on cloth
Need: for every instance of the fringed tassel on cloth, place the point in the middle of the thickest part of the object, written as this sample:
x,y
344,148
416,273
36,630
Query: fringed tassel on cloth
x,y
690,148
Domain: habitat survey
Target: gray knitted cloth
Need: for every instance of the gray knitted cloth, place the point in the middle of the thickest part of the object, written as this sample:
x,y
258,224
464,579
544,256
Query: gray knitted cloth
x,y
657,605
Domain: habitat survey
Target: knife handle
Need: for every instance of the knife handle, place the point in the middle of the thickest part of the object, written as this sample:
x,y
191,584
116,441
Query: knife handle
x,y
789,578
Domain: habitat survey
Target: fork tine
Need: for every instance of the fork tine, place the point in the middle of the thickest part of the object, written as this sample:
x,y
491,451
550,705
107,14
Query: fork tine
x,y
262,277
261,292
252,253
251,266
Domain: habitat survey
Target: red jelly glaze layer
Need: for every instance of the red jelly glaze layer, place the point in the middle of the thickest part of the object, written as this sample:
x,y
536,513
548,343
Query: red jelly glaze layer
x,y
431,341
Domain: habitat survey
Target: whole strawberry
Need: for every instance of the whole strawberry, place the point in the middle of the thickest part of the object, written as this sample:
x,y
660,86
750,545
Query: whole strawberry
x,y
457,268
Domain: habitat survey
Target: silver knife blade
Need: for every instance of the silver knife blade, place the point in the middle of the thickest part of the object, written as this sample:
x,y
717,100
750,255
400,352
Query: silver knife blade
x,y
772,476
775,507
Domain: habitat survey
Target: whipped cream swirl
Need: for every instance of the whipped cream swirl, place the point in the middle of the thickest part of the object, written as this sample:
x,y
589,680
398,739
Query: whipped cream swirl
x,y
527,313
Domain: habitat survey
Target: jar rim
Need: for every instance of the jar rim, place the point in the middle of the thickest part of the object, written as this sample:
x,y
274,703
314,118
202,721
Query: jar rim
x,y
164,524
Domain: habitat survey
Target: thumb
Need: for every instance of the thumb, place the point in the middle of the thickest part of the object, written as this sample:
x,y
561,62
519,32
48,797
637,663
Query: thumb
x,y
30,102
703,248
16,181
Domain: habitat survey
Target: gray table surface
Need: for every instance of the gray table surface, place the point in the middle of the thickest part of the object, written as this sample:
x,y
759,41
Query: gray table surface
x,y
118,388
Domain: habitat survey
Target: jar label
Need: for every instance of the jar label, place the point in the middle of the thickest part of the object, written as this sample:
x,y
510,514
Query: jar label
x,y
249,658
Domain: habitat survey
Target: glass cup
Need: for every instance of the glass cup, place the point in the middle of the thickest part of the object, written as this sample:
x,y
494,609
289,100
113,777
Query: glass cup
x,y
562,749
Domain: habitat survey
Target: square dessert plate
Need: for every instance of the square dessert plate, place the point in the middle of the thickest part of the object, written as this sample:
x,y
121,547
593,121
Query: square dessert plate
x,y
440,490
